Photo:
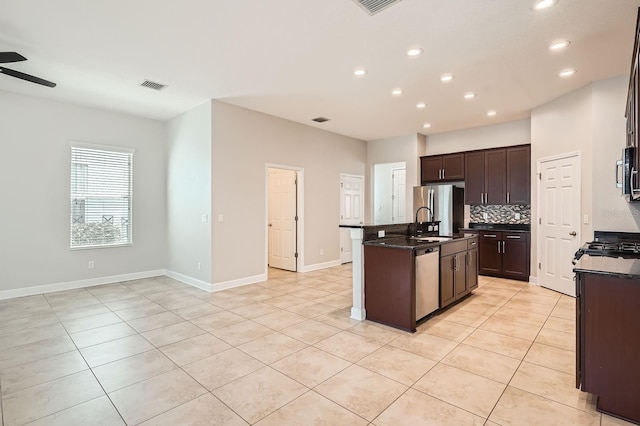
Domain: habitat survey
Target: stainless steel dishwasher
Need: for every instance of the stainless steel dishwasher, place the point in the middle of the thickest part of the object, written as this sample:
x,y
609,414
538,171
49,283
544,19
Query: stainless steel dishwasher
x,y
427,281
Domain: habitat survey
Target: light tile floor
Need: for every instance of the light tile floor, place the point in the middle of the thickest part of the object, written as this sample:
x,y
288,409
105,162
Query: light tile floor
x,y
285,352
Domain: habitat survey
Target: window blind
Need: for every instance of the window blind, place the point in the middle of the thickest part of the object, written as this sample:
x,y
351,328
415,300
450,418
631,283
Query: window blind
x,y
101,196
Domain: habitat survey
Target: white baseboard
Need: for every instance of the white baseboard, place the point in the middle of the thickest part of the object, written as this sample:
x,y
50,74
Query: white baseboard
x,y
533,280
202,285
318,266
50,288
358,314
239,282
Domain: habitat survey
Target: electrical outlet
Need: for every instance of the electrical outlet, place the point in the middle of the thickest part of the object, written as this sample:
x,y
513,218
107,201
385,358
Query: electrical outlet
x,y
381,233
485,216
91,264
220,218
199,266
517,215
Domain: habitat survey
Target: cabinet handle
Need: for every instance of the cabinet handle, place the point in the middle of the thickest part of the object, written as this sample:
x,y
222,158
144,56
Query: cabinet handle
x,y
443,173
490,235
503,247
508,197
513,237
473,243
455,262
498,246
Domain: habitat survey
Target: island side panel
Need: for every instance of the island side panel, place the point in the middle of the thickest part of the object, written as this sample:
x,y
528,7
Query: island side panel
x,y
389,277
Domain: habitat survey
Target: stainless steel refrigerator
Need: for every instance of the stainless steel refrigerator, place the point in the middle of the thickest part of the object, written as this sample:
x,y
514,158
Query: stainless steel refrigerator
x,y
445,201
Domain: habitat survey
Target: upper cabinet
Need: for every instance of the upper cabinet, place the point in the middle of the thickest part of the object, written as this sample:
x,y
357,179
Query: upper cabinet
x,y
519,175
442,168
498,176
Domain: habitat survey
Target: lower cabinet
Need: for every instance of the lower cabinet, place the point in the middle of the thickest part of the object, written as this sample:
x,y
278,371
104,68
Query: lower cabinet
x,y
504,254
607,344
458,270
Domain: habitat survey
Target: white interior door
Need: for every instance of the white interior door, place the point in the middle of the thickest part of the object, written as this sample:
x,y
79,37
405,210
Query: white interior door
x,y
351,211
399,195
282,219
559,230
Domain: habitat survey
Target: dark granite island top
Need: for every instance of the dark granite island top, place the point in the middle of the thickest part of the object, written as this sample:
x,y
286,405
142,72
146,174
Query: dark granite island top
x,y
416,244
610,266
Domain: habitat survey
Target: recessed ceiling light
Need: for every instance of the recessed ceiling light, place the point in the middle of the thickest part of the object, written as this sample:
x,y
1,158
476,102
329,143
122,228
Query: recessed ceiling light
x,y
559,45
360,72
544,4
421,105
567,73
445,78
469,95
491,113
426,125
416,51
396,92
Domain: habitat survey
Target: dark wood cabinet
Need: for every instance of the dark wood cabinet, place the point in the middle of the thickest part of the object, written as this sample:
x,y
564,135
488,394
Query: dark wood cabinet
x,y
442,168
458,270
519,175
504,254
474,177
390,287
607,344
498,176
472,269
632,112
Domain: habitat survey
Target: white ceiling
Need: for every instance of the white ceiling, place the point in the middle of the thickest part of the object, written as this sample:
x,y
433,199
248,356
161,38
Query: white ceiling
x,y
295,58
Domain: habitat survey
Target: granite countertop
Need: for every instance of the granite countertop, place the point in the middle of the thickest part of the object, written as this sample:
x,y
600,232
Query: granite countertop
x,y
511,227
413,244
611,266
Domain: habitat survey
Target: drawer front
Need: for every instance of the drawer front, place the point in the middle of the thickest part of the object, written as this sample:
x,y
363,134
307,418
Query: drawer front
x,y
472,243
453,247
515,236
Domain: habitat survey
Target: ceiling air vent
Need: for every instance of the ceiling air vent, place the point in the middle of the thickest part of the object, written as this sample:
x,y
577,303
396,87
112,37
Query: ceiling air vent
x,y
320,119
153,85
375,6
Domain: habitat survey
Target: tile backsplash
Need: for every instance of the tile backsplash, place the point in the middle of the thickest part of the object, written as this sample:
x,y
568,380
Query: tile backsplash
x,y
500,214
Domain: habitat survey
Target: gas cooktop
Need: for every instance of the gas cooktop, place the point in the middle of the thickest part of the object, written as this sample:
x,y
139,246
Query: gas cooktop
x,y
612,244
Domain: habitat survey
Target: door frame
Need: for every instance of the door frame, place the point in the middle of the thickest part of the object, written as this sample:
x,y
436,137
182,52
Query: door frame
x,y
299,208
539,162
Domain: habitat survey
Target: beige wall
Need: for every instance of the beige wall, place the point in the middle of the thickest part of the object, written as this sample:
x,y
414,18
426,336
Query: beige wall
x,y
243,143
189,193
35,167
493,136
399,149
610,211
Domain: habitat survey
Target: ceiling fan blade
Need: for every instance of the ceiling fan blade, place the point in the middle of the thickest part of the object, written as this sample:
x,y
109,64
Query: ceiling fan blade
x,y
6,57
26,77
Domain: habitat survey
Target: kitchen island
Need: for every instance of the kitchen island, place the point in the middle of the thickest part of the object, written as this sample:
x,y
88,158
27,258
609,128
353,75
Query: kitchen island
x,y
607,330
392,278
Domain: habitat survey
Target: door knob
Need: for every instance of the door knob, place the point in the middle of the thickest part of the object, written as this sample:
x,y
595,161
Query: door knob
x,y
573,233
270,224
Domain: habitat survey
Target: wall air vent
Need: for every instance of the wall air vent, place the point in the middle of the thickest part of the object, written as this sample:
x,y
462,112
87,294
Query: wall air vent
x,y
153,85
320,119
374,6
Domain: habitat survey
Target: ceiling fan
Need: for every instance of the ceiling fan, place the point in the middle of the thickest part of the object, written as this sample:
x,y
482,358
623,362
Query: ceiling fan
x,y
7,57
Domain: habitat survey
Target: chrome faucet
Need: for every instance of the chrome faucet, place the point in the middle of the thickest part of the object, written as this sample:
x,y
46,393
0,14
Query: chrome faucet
x,y
415,232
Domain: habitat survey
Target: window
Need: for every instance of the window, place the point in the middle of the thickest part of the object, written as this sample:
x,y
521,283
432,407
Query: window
x,y
101,196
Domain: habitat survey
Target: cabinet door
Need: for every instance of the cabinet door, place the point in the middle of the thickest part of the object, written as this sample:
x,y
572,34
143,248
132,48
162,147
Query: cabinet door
x,y
460,274
515,256
495,177
453,167
472,269
490,252
519,175
447,277
474,177
430,169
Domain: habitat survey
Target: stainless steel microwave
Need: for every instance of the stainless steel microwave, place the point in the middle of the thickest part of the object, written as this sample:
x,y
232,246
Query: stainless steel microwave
x,y
626,171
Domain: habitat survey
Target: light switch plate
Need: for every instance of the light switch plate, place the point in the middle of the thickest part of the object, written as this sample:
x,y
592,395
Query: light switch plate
x,y
485,216
517,215
204,218
381,234
585,219
220,218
